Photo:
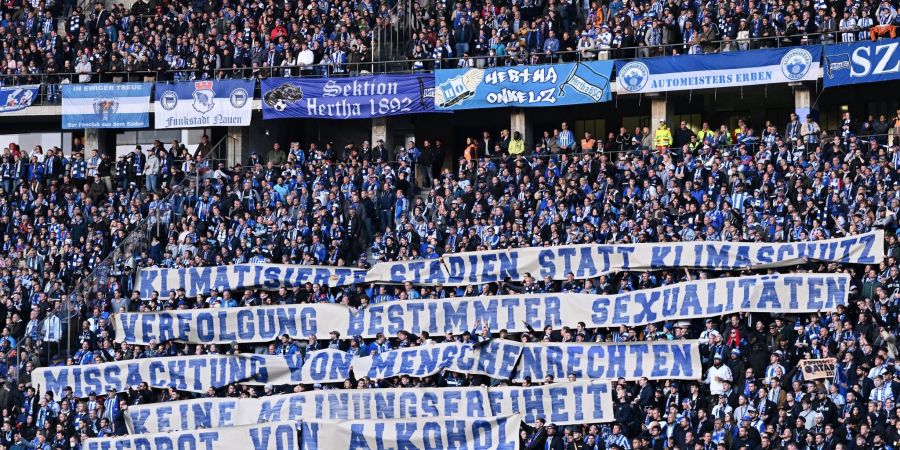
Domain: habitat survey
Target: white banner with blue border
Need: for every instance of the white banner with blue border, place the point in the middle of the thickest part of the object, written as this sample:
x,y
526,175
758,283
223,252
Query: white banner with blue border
x,y
260,436
204,103
686,72
106,105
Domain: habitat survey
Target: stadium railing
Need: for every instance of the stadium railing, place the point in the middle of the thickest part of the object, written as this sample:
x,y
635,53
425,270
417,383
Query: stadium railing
x,y
50,92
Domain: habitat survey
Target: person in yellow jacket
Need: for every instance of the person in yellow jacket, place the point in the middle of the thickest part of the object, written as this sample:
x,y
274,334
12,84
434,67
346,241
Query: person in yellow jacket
x,y
516,144
741,129
706,136
663,137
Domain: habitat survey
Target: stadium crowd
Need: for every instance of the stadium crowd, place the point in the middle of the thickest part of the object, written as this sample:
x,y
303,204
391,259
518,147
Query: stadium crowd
x,y
351,205
67,41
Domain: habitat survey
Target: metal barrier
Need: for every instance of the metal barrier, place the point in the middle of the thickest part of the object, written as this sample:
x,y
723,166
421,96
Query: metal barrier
x,y
387,41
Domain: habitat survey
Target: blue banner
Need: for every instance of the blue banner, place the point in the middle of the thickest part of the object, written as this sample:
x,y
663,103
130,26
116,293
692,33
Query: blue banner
x,y
862,62
204,103
686,72
17,98
106,105
523,86
347,98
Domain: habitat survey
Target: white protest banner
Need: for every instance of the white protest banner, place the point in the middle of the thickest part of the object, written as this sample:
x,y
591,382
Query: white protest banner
x,y
329,365
700,298
194,373
495,358
817,369
492,433
263,436
566,403
793,293
592,260
337,404
656,360
226,325
201,280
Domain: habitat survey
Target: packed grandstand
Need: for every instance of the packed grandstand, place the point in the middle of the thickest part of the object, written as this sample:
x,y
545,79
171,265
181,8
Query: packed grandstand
x,y
674,285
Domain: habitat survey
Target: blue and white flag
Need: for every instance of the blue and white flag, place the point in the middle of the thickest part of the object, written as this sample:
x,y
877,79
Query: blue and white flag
x,y
862,62
523,86
204,103
347,98
686,72
17,98
106,105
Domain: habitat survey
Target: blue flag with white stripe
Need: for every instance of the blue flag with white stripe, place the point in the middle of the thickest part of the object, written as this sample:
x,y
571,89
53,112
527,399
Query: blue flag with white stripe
x,y
106,105
17,98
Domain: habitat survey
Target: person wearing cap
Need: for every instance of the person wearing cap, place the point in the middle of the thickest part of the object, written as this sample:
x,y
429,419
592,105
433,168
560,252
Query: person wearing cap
x,y
110,405
706,334
735,363
335,343
810,131
774,369
586,46
825,406
553,441
717,374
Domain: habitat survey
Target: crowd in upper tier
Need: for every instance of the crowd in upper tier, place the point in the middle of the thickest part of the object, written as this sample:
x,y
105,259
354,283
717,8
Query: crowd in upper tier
x,y
67,41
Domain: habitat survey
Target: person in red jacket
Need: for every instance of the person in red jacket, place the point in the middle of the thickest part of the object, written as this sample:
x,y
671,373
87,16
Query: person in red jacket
x,y
278,30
